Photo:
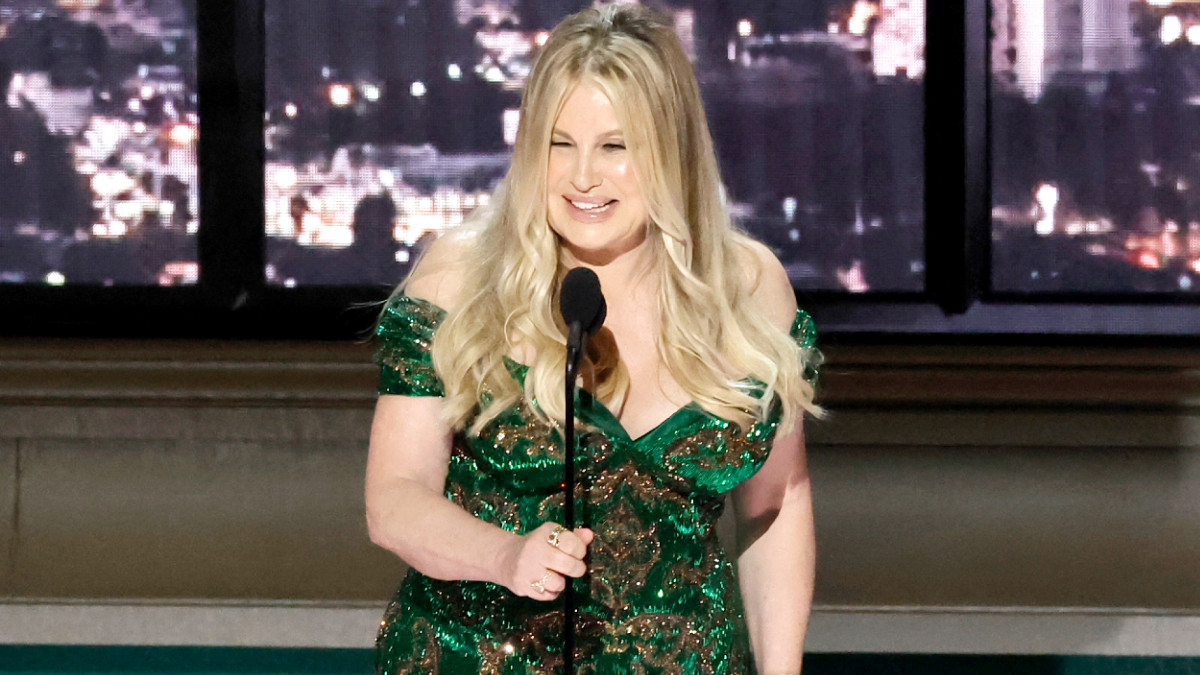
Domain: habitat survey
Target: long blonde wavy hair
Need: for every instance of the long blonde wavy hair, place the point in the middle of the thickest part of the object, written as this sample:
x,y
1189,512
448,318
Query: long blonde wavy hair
x,y
717,344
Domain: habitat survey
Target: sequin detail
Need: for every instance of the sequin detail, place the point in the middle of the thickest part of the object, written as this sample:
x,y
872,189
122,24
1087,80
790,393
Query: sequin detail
x,y
660,596
405,333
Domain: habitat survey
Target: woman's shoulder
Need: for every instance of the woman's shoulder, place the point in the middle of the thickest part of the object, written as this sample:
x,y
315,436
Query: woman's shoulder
x,y
440,272
766,282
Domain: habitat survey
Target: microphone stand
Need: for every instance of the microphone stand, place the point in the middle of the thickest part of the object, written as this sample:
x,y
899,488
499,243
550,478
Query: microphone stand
x,y
574,352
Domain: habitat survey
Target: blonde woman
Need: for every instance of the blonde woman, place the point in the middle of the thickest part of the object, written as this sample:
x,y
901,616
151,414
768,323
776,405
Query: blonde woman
x,y
693,391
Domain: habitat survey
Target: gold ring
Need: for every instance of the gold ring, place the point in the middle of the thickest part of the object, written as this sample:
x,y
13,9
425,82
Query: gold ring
x,y
553,538
540,584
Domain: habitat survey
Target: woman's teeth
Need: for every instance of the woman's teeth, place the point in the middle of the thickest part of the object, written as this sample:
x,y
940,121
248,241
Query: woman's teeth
x,y
585,206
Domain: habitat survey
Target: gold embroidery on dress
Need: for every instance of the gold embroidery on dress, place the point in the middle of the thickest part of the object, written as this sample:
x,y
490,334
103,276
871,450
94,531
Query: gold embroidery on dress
x,y
424,653
661,641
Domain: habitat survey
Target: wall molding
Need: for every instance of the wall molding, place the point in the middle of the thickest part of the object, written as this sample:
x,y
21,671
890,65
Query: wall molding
x,y
890,630
949,482
340,374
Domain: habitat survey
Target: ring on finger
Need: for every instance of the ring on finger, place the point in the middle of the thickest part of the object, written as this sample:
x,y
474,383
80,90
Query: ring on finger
x,y
553,538
540,584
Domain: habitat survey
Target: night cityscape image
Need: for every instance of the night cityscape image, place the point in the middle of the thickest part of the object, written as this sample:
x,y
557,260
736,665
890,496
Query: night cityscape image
x,y
388,121
98,128
1095,146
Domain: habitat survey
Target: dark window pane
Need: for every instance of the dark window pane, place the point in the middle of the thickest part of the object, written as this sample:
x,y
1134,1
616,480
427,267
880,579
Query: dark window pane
x,y
1096,142
389,121
98,127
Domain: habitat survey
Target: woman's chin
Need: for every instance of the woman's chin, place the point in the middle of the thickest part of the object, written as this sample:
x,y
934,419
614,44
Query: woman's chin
x,y
601,252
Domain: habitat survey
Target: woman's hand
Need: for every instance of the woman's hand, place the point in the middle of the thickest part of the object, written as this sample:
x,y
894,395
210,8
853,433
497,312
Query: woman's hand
x,y
533,566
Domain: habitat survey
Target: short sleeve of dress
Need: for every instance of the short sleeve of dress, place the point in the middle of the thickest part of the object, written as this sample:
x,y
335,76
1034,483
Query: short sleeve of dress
x,y
804,332
405,336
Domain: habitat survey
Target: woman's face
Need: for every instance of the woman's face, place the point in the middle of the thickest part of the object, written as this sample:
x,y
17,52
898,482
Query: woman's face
x,y
594,200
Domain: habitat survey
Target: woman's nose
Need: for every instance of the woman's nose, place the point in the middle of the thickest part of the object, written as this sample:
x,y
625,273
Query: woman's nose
x,y
585,176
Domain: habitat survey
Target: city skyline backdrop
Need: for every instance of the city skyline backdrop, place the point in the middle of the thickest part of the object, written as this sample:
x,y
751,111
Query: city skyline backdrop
x,y
387,121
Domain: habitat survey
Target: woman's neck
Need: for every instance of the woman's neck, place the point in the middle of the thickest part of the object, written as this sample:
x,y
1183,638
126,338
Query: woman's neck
x,y
626,277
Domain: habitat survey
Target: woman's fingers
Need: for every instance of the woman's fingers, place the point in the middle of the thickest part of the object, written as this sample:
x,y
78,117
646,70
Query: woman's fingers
x,y
568,543
548,586
585,536
556,584
565,565
560,557
573,543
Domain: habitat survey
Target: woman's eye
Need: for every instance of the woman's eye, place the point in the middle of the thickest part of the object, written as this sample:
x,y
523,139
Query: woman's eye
x,y
559,144
614,146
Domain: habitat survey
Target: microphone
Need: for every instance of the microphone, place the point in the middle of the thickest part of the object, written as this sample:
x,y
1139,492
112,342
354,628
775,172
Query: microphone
x,y
583,309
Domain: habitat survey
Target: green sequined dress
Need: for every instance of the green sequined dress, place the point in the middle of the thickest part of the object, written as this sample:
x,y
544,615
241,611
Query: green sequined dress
x,y
659,596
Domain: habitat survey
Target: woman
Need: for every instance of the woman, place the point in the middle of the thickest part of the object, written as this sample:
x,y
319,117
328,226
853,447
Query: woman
x,y
694,388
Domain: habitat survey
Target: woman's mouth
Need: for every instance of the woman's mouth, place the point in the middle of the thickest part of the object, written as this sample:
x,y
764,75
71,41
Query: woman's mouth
x,y
590,210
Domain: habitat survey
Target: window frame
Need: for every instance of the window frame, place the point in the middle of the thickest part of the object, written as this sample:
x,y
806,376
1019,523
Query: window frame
x,y
233,300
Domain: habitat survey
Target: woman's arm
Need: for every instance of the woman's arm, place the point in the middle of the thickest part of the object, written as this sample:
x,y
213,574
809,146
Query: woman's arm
x,y
408,514
407,463
777,555
773,509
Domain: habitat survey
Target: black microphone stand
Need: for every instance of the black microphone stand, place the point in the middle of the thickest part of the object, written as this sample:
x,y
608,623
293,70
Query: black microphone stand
x,y
582,306
574,352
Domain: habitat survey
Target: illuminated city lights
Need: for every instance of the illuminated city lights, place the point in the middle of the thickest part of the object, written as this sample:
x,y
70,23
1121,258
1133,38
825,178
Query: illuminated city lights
x,y
898,42
183,134
179,273
1171,29
113,229
1147,260
1046,196
283,177
109,183
860,15
348,170
341,95
511,120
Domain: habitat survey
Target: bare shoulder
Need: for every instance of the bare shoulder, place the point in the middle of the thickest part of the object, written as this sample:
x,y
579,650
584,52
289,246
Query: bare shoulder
x,y
439,274
767,282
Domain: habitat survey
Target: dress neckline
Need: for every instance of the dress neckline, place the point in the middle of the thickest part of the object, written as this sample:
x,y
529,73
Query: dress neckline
x,y
594,411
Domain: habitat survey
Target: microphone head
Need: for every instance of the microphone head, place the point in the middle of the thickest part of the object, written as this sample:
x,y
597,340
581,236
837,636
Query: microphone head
x,y
581,300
